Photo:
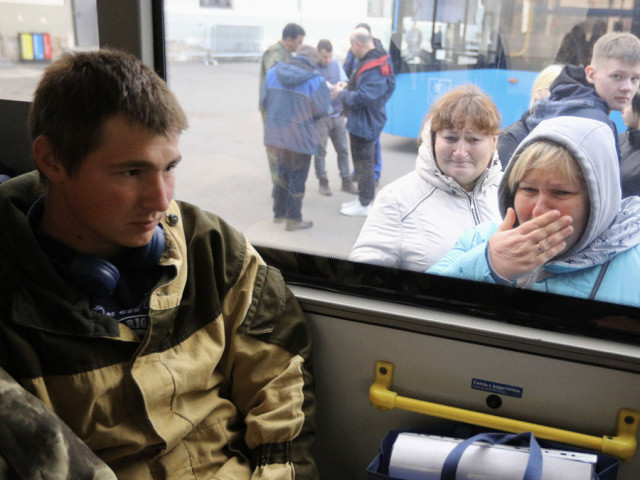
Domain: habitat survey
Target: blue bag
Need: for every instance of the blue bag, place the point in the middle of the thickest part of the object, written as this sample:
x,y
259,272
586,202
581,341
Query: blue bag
x,y
534,464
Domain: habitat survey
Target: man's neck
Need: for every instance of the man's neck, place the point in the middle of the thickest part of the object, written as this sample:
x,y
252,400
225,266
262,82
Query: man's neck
x,y
56,221
367,52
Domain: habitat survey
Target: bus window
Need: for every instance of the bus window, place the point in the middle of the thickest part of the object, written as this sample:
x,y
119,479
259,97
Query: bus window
x,y
213,66
32,34
36,32
498,45
212,63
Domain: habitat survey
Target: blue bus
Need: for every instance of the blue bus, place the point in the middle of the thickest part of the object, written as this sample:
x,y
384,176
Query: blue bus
x,y
499,46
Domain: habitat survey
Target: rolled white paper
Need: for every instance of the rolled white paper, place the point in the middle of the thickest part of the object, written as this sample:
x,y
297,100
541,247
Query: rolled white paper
x,y
420,457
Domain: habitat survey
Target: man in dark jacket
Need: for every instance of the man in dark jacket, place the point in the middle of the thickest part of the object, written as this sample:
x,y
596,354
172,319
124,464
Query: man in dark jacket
x,y
294,97
608,83
630,149
351,61
370,86
349,66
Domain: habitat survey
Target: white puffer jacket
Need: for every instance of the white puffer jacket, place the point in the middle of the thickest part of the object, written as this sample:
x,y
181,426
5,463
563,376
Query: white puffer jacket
x,y
416,219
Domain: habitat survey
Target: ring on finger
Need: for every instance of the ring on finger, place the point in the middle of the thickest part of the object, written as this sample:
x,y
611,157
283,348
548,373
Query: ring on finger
x,y
540,249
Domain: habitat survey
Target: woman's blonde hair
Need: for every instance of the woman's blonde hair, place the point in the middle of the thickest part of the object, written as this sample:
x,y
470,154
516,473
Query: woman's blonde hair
x,y
548,156
543,81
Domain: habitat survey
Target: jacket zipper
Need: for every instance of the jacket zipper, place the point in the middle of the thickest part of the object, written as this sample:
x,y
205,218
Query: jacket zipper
x,y
474,208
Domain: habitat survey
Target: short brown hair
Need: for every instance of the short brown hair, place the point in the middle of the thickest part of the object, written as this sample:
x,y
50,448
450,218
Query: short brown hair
x,y
325,44
463,104
82,90
622,46
310,53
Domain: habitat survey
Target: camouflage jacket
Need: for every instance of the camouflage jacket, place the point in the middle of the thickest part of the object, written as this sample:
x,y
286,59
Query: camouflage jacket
x,y
36,444
219,386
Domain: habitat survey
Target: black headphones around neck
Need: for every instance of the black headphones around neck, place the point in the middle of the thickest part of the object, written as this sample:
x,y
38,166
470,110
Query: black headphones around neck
x,y
98,276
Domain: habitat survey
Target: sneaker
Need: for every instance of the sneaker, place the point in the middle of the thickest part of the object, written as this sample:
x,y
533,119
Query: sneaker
x,y
278,219
358,210
348,186
293,225
324,187
352,203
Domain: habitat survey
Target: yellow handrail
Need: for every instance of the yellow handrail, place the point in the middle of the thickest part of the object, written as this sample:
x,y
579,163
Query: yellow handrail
x,y
525,47
623,445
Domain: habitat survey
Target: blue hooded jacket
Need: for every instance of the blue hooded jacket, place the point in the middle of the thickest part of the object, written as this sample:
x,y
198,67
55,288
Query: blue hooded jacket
x,y
368,92
294,97
608,250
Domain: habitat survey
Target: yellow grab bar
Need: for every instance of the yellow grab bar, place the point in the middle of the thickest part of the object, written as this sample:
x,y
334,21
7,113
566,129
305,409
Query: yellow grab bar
x,y
623,445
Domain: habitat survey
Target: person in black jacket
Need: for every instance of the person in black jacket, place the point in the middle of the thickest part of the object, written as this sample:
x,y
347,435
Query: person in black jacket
x,y
607,83
511,137
630,149
370,86
574,48
349,66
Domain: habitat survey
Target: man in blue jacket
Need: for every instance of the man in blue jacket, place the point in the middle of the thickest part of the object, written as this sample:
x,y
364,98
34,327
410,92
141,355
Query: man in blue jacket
x,y
370,86
281,51
294,96
349,66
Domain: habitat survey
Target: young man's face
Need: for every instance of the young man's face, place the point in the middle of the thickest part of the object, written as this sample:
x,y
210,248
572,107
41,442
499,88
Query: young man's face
x,y
614,81
292,44
325,57
118,195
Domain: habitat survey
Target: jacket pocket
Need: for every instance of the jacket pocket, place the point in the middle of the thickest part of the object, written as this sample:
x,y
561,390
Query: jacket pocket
x,y
267,303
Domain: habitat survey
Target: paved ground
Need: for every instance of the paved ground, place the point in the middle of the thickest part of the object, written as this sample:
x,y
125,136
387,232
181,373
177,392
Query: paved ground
x,y
225,166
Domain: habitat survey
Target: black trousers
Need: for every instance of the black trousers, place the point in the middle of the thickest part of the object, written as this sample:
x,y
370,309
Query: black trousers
x,y
364,155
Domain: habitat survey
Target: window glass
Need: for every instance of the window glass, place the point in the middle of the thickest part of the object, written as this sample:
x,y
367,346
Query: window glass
x,y
376,8
32,33
214,68
215,3
214,62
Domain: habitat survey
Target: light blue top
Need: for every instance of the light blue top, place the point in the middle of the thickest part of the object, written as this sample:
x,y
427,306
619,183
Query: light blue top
x,y
611,237
333,73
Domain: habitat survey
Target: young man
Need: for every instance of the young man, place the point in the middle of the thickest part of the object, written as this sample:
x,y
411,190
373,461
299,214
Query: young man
x,y
333,126
607,83
294,97
152,329
281,51
365,96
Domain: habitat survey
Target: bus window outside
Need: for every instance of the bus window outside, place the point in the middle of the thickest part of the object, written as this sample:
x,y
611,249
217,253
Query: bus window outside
x,y
499,46
213,56
33,33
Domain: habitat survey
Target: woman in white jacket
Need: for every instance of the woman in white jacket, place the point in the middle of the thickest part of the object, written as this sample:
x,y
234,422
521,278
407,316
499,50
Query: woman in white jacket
x,y
416,219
